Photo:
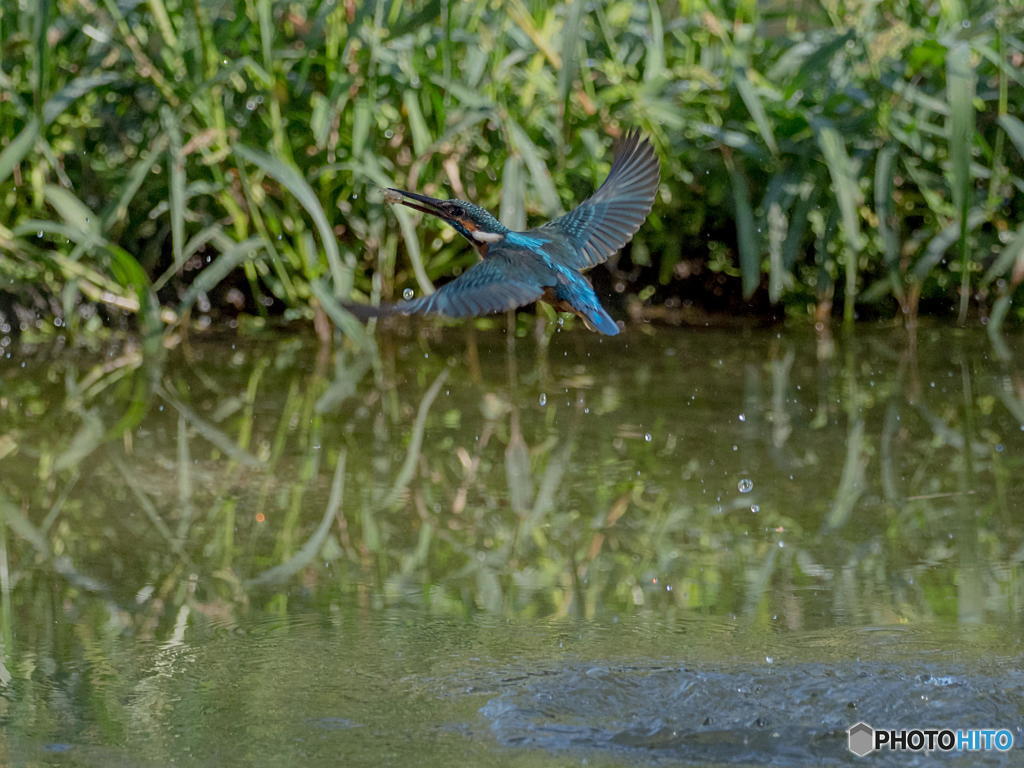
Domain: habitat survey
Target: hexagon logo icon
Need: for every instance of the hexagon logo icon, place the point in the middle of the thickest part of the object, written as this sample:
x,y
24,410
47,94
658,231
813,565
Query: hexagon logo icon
x,y
860,739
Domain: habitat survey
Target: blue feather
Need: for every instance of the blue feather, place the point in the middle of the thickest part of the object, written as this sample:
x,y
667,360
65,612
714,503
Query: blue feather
x,y
576,290
526,241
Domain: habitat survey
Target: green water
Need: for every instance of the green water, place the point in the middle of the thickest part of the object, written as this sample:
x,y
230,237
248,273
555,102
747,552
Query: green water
x,y
462,549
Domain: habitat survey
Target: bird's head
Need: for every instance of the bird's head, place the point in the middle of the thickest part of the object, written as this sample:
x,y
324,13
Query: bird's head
x,y
476,224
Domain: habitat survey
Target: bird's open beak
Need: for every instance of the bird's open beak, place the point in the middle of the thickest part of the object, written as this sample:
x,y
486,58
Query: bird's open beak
x,y
415,201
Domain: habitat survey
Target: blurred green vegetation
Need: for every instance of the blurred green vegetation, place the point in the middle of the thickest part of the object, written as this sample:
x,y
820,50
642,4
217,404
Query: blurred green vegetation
x,y
175,159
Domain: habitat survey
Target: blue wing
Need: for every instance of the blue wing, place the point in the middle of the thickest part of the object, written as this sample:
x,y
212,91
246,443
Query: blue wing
x,y
506,279
609,218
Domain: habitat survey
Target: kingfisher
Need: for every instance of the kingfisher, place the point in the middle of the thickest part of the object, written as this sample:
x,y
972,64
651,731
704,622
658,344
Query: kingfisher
x,y
545,263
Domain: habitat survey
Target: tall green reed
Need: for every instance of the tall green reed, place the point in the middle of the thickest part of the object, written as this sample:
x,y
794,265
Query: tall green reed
x,y
192,156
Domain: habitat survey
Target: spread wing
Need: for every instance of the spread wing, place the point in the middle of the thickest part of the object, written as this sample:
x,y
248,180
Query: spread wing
x,y
609,218
500,282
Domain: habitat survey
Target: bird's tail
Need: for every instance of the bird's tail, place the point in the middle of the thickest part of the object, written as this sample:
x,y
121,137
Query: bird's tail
x,y
366,312
601,321
577,293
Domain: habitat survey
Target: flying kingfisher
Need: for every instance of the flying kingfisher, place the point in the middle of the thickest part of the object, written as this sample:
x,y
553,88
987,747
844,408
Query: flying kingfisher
x,y
545,263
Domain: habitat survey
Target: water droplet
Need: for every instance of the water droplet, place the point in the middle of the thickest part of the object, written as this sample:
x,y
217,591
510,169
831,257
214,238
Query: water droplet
x,y
742,417
39,233
408,293
745,485
755,508
542,400
648,437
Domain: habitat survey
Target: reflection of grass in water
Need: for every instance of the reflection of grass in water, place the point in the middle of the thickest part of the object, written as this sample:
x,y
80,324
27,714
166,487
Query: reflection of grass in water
x,y
239,484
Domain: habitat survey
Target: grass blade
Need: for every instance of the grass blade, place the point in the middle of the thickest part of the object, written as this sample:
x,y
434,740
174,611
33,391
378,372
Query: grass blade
x,y
844,182
117,209
570,57
17,149
750,251
798,221
417,125
315,543
360,127
778,276
209,432
852,479
128,272
736,139
960,87
412,246
519,13
1011,256
290,178
412,453
883,203
130,480
341,318
87,439
941,243
218,269
66,96
1000,309
513,194
535,164
266,23
654,66
83,227
1014,129
755,106
75,213
176,171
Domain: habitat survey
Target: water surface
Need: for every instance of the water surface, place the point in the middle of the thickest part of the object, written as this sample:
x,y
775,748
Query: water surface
x,y
700,547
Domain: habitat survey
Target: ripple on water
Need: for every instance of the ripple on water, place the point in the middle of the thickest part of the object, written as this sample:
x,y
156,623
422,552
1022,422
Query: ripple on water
x,y
775,715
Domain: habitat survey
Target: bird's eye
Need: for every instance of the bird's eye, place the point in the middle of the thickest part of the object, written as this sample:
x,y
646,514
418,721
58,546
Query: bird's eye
x,y
453,210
